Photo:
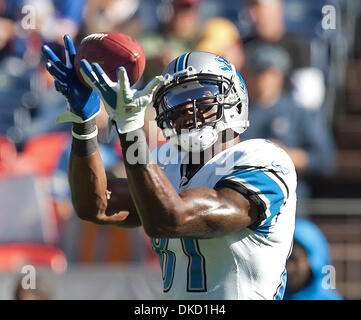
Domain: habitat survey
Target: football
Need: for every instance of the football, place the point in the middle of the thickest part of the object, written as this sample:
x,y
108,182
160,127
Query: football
x,y
112,50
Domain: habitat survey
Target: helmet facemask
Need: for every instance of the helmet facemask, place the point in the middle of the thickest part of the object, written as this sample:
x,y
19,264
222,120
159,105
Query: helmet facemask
x,y
190,98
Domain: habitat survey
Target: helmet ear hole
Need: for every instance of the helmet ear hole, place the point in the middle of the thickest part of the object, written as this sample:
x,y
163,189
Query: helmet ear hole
x,y
239,107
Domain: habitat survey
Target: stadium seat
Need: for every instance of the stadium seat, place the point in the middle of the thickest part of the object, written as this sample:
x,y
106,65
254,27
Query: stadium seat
x,y
8,152
11,164
45,150
16,255
26,211
103,244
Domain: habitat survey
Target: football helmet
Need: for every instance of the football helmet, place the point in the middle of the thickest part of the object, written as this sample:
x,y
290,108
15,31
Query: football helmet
x,y
205,82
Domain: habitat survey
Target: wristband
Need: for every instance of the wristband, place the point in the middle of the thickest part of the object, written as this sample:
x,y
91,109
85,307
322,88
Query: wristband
x,y
85,136
82,130
85,140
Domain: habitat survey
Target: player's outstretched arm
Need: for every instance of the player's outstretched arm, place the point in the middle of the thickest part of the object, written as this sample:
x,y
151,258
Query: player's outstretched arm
x,y
196,213
97,199
94,198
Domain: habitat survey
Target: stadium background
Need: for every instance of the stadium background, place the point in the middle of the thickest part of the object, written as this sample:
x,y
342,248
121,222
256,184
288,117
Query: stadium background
x,y
78,260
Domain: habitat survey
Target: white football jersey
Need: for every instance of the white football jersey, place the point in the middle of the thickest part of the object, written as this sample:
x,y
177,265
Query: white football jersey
x,y
249,263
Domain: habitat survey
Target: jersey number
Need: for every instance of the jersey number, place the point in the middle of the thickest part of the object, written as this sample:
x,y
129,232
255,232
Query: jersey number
x,y
196,270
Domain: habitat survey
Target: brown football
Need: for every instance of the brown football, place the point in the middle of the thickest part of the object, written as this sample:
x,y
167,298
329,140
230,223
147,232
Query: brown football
x,y
112,50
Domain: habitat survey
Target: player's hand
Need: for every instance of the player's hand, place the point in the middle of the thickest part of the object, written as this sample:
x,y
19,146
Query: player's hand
x,y
124,105
83,103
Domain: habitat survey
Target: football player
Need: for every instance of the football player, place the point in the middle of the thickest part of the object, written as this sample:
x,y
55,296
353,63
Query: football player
x,y
219,211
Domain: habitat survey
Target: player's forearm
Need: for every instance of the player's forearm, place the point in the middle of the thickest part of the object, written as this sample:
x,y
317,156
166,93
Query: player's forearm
x,y
97,200
93,197
86,172
157,202
88,185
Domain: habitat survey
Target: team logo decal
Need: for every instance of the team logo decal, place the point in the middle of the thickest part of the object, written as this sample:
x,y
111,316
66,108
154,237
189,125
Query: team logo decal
x,y
225,65
243,85
281,168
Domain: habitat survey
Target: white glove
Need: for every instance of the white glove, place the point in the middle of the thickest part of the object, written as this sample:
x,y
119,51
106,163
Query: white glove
x,y
124,105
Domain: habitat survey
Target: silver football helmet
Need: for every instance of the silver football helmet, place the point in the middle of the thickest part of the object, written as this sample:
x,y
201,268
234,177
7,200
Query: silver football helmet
x,y
206,81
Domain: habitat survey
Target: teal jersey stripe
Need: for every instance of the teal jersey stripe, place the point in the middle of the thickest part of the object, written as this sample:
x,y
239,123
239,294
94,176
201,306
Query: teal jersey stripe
x,y
269,188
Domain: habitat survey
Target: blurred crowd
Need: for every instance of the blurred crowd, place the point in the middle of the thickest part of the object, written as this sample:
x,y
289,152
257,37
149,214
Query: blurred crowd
x,y
292,55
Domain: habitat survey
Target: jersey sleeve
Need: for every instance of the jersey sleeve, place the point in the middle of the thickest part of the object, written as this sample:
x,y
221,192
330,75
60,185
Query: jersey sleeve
x,y
262,186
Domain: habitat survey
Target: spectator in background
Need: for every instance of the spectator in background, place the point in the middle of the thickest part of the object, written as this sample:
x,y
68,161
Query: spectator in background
x,y
183,19
266,20
306,276
177,33
220,36
266,23
7,28
300,132
112,15
25,25
179,21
